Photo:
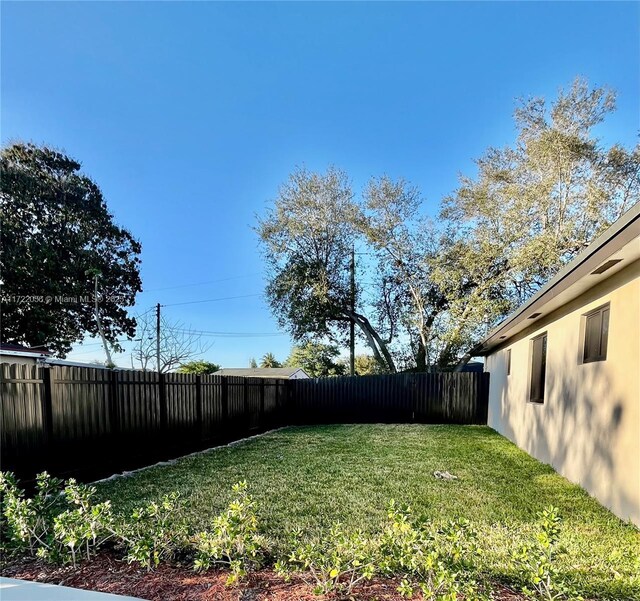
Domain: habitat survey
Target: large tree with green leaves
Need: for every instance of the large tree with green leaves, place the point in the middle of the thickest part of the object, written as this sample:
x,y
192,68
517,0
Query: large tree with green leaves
x,y
405,245
532,207
307,238
440,285
317,359
198,367
366,365
56,233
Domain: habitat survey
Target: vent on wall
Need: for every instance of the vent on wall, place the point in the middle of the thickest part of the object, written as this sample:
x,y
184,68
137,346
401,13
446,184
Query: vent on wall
x,y
606,265
534,315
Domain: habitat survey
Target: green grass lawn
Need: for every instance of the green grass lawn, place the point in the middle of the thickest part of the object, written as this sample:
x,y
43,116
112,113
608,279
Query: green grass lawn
x,y
313,476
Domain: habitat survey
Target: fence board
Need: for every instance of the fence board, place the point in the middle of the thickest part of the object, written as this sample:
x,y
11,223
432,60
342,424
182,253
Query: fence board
x,y
22,418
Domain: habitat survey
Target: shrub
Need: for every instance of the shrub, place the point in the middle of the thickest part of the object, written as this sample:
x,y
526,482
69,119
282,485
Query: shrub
x,y
57,522
61,522
435,561
337,562
27,524
235,540
84,526
537,561
153,532
429,559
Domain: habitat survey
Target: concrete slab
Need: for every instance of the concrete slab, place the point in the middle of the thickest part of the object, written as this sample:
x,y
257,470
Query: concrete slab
x,y
23,590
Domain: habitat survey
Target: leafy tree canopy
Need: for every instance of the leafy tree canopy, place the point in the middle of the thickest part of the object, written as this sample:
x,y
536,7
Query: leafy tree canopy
x,y
307,238
57,232
366,365
532,208
317,359
198,367
428,289
269,361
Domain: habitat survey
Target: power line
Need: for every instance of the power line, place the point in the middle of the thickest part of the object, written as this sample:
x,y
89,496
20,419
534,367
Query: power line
x,y
229,334
82,344
83,352
237,277
211,300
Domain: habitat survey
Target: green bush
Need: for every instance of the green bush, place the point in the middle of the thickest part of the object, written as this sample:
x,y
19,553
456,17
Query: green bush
x,y
537,564
234,540
84,526
436,561
153,532
58,523
337,562
27,524
431,560
61,522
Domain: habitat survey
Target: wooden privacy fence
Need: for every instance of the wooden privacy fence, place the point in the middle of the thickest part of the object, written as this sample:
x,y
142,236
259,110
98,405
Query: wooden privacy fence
x,y
92,422
445,397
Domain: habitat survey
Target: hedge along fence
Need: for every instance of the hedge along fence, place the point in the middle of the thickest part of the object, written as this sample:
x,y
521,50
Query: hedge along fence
x,y
92,422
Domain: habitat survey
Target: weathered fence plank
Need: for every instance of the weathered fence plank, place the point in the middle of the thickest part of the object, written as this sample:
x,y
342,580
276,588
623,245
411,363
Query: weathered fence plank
x,y
92,422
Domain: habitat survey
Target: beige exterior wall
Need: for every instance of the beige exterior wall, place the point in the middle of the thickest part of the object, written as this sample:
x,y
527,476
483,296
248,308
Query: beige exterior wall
x,y
588,428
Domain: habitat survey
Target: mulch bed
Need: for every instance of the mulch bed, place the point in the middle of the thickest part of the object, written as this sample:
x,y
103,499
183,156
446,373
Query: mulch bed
x,y
109,574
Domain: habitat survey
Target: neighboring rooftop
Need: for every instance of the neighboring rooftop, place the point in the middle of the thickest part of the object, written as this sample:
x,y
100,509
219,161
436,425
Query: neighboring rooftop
x,y
10,348
615,249
263,372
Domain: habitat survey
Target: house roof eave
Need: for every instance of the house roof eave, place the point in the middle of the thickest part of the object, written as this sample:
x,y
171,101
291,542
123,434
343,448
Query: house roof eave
x,y
620,233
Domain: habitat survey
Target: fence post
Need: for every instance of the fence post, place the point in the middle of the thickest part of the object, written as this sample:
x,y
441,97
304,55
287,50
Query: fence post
x,y
287,407
225,403
47,413
245,396
483,398
414,397
262,420
114,409
162,398
199,407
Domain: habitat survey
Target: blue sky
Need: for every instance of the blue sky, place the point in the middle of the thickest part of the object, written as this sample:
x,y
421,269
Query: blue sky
x,y
189,115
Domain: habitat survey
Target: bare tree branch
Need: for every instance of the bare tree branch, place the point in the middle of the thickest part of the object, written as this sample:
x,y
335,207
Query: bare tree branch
x,y
178,344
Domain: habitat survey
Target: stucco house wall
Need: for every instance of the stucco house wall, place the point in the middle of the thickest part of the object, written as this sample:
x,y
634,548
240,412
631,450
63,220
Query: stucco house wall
x,y
20,360
588,428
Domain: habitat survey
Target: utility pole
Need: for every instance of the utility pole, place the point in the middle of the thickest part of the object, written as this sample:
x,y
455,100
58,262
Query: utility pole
x,y
162,391
352,324
158,337
96,275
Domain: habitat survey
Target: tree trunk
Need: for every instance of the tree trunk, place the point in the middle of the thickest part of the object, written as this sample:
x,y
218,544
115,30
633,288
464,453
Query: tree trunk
x,y
378,346
421,356
463,361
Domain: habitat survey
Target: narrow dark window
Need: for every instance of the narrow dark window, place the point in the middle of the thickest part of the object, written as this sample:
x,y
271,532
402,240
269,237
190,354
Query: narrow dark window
x,y
508,362
596,333
538,368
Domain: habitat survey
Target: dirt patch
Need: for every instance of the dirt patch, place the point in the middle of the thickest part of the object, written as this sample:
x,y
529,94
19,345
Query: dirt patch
x,y
108,574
